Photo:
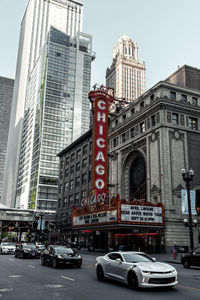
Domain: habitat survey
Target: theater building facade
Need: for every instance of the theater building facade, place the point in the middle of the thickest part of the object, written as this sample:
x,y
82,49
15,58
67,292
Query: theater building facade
x,y
149,142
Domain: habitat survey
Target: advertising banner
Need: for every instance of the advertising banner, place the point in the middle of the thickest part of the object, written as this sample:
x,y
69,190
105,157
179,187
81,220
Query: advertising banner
x,y
95,218
143,214
184,201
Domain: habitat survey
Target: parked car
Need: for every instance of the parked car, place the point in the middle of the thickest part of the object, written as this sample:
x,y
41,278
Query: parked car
x,y
26,250
136,269
7,248
56,255
191,259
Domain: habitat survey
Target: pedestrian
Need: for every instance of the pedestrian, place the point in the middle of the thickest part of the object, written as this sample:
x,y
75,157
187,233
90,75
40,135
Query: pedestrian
x,y
175,250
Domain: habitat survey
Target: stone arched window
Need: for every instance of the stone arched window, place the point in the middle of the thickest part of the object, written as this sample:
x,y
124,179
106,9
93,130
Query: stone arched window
x,y
138,179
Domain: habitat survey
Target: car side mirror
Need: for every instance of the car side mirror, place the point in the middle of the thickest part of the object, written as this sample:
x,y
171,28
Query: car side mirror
x,y
118,260
154,259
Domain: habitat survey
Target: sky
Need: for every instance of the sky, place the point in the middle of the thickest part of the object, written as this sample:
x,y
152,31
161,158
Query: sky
x,y
166,31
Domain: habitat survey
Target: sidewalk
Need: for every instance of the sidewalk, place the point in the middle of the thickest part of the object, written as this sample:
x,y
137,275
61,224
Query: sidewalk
x,y
162,257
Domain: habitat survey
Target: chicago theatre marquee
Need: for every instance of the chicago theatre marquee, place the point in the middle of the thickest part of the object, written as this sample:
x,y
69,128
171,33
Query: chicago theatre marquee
x,y
121,182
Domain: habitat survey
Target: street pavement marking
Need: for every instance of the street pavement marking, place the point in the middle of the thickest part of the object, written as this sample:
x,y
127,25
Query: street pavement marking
x,y
54,286
31,266
188,287
6,290
15,276
11,259
68,278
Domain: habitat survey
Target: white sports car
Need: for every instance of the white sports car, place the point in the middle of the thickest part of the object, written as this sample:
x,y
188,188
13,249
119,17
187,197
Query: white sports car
x,y
7,248
136,269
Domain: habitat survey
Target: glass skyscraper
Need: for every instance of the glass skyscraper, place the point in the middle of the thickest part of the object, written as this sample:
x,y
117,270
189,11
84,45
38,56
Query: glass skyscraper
x,y
56,105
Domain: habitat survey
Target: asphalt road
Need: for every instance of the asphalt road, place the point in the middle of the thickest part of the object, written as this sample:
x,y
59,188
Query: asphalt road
x,y
26,279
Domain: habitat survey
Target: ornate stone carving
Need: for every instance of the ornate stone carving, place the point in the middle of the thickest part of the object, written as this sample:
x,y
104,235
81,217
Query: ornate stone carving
x,y
177,190
155,190
175,134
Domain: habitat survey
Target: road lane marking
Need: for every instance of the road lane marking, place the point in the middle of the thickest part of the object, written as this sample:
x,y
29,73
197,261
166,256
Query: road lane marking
x,y
6,290
31,266
68,278
188,287
11,259
53,286
15,276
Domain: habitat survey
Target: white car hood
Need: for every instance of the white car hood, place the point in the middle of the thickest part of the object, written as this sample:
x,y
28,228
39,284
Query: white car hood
x,y
155,266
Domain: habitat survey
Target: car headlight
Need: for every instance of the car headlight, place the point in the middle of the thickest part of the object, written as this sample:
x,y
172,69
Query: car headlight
x,y
174,271
59,256
145,272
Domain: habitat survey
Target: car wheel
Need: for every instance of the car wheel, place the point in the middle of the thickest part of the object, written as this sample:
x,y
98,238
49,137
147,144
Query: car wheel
x,y
55,264
186,264
100,273
43,261
1,251
21,255
132,281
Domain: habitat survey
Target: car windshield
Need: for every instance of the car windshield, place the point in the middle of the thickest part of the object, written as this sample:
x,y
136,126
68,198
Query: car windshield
x,y
63,250
32,246
7,244
135,258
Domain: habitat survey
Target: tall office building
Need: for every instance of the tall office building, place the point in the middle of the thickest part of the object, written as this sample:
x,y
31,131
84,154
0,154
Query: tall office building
x,y
50,106
127,76
6,92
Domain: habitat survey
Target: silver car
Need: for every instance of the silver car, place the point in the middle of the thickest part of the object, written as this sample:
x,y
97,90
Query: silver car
x,y
136,269
7,248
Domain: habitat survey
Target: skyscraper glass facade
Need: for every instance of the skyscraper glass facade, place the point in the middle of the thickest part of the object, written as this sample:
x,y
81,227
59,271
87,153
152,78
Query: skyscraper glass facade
x,y
50,123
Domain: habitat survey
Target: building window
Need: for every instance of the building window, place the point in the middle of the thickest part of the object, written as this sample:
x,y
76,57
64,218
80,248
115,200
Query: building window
x,y
66,186
152,97
172,95
67,172
77,198
153,120
72,157
124,117
142,105
78,166
175,119
132,132
84,164
194,101
71,201
72,170
67,160
142,127
84,178
71,186
116,122
123,137
83,195
184,97
78,181
65,202
132,111
85,149
193,123
78,154
115,142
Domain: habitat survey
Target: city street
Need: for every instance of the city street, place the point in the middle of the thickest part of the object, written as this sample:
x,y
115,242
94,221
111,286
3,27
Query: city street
x,y
26,279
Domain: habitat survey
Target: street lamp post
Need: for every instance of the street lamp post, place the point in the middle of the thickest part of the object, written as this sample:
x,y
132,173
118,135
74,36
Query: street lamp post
x,y
188,177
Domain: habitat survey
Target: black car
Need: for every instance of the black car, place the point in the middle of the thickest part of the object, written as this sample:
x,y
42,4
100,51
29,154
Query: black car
x,y
191,259
26,250
56,256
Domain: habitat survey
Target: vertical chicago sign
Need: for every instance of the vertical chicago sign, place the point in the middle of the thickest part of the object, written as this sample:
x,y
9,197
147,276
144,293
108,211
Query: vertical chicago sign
x,y
100,99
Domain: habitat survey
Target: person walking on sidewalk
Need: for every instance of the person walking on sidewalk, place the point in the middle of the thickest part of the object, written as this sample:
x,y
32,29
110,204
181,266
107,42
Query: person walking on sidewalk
x,y
175,248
